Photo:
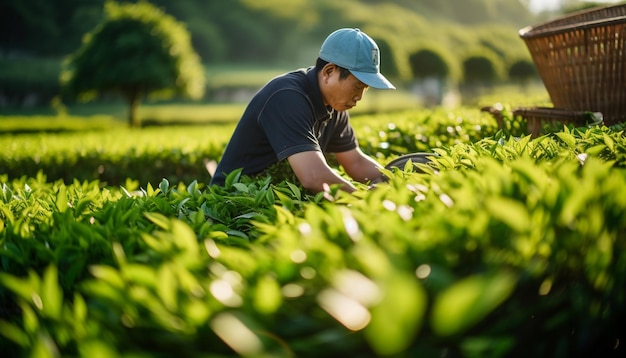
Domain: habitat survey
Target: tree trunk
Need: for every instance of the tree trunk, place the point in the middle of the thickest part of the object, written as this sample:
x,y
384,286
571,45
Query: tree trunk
x,y
133,117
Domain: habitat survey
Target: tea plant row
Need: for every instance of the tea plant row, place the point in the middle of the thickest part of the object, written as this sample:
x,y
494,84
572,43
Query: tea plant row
x,y
503,246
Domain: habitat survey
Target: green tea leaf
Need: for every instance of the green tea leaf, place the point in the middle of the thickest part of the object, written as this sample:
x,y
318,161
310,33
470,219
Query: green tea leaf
x,y
512,213
567,138
164,186
109,275
51,293
30,320
610,143
397,318
5,209
286,201
140,274
232,178
468,301
159,219
295,190
150,190
61,199
80,309
167,289
96,348
269,196
241,187
185,237
14,333
192,187
267,295
20,287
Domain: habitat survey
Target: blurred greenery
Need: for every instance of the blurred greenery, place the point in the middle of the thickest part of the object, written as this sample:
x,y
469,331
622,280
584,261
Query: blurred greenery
x,y
505,246
136,51
276,35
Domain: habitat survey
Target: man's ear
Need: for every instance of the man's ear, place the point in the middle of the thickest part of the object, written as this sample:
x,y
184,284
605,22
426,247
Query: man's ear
x,y
328,69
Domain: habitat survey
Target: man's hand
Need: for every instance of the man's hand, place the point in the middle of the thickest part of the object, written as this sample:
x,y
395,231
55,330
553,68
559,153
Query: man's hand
x,y
359,166
313,172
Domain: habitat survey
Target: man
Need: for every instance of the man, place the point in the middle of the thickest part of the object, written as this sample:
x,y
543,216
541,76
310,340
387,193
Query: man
x,y
301,116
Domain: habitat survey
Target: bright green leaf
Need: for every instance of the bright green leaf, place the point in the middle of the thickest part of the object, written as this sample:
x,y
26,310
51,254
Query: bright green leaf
x,y
568,139
232,178
609,142
468,301
241,187
14,333
61,199
397,319
159,219
167,289
267,295
51,293
109,275
286,201
20,287
512,213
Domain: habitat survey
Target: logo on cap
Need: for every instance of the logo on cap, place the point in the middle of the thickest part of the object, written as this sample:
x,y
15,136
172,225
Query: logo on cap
x,y
375,56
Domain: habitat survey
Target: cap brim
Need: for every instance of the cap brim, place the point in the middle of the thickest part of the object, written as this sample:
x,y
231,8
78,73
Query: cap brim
x,y
374,80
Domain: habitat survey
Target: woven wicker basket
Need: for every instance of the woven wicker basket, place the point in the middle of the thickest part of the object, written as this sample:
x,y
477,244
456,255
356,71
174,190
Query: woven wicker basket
x,y
537,117
581,59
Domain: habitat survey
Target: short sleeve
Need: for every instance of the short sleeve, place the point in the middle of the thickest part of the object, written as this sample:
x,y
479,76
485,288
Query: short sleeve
x,y
287,119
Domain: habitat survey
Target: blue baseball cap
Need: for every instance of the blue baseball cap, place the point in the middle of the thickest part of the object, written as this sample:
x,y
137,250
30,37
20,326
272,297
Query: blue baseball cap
x,y
358,53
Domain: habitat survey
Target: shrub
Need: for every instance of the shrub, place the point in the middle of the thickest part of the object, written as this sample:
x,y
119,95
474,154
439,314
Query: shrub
x,y
506,247
432,62
502,246
482,67
523,70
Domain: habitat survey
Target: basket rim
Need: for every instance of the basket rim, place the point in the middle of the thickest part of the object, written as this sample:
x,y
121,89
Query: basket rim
x,y
549,111
545,28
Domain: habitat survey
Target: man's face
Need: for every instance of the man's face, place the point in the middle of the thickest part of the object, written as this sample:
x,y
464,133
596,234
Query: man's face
x,y
341,94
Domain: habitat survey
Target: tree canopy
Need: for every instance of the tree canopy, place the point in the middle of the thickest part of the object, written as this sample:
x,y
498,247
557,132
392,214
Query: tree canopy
x,y
277,33
245,29
432,61
482,67
137,50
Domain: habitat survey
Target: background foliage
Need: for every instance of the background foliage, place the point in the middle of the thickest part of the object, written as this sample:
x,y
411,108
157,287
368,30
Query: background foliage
x,y
279,33
137,51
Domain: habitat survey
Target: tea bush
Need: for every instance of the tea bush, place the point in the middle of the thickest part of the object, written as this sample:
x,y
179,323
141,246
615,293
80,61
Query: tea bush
x,y
181,153
111,157
503,246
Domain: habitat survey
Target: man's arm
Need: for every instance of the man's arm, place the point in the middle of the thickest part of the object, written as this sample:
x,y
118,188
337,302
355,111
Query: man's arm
x,y
313,172
359,166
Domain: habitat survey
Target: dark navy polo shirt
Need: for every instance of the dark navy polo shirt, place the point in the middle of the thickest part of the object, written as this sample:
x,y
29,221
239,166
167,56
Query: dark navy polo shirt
x,y
287,116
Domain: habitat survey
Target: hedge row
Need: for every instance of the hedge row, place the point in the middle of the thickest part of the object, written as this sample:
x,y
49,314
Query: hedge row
x,y
506,247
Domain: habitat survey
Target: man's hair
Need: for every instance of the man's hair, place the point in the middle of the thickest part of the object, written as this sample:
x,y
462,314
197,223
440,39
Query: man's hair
x,y
343,72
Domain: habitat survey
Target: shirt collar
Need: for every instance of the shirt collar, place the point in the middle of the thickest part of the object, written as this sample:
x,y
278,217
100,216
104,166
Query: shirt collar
x,y
321,111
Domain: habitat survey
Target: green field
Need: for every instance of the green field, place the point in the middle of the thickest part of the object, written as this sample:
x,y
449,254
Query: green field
x,y
112,244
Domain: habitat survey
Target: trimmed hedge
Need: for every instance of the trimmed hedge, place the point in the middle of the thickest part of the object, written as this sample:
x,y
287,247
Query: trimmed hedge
x,y
503,247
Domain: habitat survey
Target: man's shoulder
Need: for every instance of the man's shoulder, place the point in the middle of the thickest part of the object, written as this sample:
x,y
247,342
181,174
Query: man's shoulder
x,y
296,79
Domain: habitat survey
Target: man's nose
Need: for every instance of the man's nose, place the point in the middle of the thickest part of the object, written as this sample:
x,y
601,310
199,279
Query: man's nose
x,y
358,96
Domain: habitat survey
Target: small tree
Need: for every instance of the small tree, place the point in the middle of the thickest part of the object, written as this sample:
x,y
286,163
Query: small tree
x,y
482,68
435,73
429,63
136,51
522,71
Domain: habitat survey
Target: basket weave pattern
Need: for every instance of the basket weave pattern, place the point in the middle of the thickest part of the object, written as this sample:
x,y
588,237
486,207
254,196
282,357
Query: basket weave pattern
x,y
581,59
